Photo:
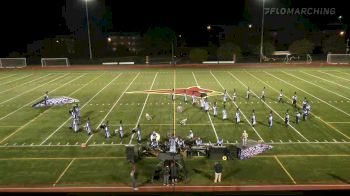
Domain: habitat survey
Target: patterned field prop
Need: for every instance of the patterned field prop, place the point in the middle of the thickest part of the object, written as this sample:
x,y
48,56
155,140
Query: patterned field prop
x,y
55,101
253,150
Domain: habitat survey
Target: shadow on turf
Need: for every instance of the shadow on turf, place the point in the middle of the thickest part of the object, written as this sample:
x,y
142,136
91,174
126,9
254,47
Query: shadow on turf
x,y
203,173
339,178
230,174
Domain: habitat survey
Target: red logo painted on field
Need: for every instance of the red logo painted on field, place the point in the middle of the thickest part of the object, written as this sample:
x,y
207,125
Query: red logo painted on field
x,y
196,90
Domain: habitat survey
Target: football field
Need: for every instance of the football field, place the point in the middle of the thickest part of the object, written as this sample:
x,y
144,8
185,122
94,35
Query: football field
x,y
37,148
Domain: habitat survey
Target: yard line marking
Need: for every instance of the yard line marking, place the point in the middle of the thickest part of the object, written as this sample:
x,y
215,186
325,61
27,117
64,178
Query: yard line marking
x,y
81,107
16,79
32,89
64,171
281,141
325,79
110,110
299,106
7,76
335,140
116,144
309,94
238,107
342,72
174,71
285,170
317,85
269,107
24,83
32,120
333,75
143,107
212,125
123,157
338,122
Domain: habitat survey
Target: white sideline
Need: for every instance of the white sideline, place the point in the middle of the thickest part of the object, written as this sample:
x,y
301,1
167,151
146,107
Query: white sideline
x,y
211,122
309,94
144,104
80,108
238,107
110,110
327,123
269,107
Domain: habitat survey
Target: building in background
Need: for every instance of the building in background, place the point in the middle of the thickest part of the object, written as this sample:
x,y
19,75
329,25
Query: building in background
x,y
132,41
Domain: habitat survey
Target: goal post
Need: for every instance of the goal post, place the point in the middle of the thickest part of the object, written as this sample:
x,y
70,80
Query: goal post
x,y
54,62
299,59
338,58
13,62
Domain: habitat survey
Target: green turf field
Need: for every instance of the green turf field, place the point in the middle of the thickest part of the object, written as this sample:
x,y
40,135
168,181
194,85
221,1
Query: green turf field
x,y
37,148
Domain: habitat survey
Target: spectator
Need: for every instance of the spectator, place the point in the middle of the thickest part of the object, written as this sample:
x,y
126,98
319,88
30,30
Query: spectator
x,y
173,172
133,175
166,175
218,171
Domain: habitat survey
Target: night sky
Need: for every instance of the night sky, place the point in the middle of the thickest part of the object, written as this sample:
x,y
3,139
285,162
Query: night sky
x,y
23,21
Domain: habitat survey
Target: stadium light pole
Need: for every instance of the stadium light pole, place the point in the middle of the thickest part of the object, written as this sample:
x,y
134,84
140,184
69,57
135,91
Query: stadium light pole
x,y
88,26
262,31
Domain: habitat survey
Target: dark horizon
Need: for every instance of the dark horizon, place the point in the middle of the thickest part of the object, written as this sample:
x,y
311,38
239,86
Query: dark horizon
x,y
36,20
